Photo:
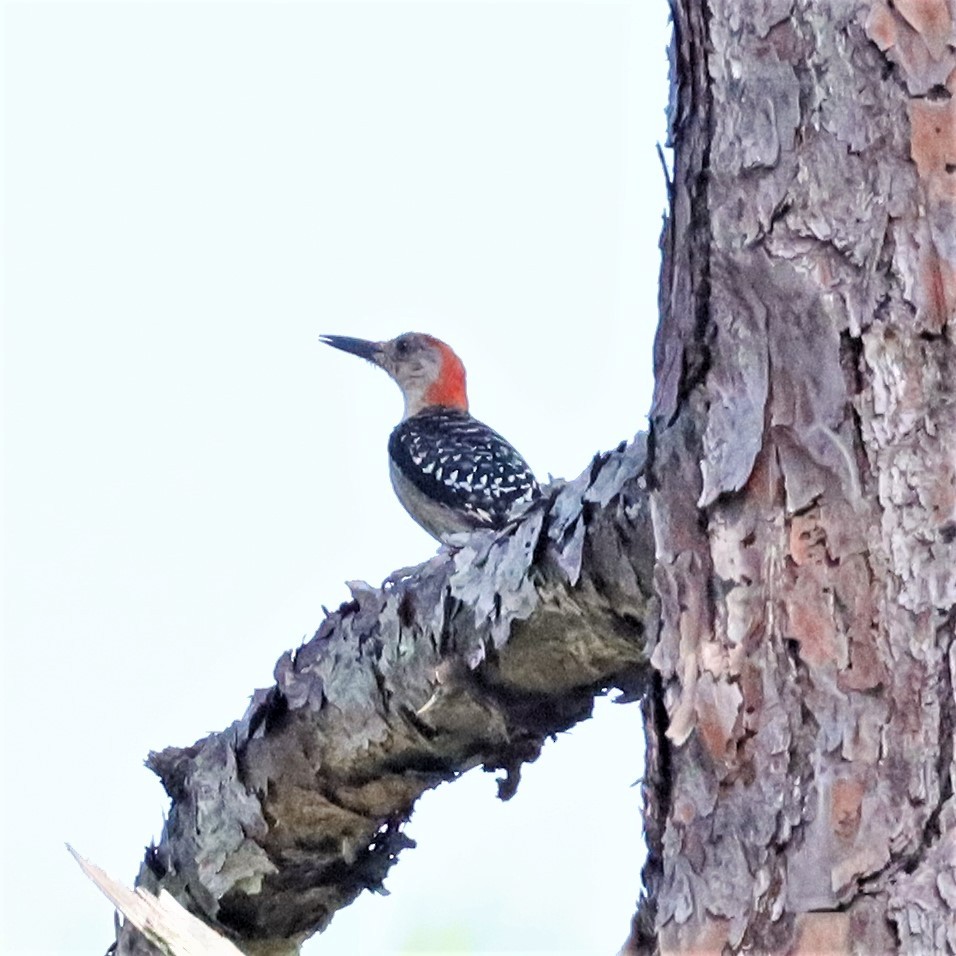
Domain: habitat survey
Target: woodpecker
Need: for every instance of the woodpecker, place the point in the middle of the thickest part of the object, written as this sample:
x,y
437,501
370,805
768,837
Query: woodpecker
x,y
451,472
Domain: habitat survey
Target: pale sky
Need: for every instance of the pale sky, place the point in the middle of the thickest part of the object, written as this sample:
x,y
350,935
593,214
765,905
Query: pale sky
x,y
193,193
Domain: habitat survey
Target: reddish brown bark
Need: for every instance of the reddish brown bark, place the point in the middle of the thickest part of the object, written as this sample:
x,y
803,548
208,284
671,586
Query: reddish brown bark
x,y
804,484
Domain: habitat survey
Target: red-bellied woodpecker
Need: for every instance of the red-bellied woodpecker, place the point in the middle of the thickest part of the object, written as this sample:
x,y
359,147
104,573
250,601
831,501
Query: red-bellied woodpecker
x,y
451,472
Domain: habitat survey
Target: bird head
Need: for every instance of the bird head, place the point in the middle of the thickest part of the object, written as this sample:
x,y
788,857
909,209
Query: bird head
x,y
427,371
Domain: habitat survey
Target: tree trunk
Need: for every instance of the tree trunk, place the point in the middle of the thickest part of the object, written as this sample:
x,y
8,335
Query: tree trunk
x,y
781,570
803,475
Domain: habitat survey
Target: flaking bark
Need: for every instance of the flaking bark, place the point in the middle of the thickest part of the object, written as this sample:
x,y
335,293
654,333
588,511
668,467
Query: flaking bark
x,y
804,485
474,658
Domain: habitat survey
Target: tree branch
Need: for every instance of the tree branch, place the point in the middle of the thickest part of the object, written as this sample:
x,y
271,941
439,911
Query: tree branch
x,y
473,658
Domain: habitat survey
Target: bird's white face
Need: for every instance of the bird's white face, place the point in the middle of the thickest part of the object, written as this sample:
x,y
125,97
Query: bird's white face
x,y
415,362
427,371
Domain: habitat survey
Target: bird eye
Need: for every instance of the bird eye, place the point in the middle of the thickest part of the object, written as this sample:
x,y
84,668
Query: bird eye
x,y
403,346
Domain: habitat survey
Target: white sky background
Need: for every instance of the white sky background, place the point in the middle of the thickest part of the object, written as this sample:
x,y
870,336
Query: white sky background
x,y
193,192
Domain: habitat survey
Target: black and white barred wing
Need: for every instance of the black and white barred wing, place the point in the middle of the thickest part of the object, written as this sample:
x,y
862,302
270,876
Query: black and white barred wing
x,y
458,462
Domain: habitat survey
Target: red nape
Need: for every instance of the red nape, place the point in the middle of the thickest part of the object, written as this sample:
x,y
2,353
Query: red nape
x,y
449,388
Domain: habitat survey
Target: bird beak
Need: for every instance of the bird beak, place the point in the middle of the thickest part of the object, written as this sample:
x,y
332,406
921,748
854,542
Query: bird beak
x,y
371,351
